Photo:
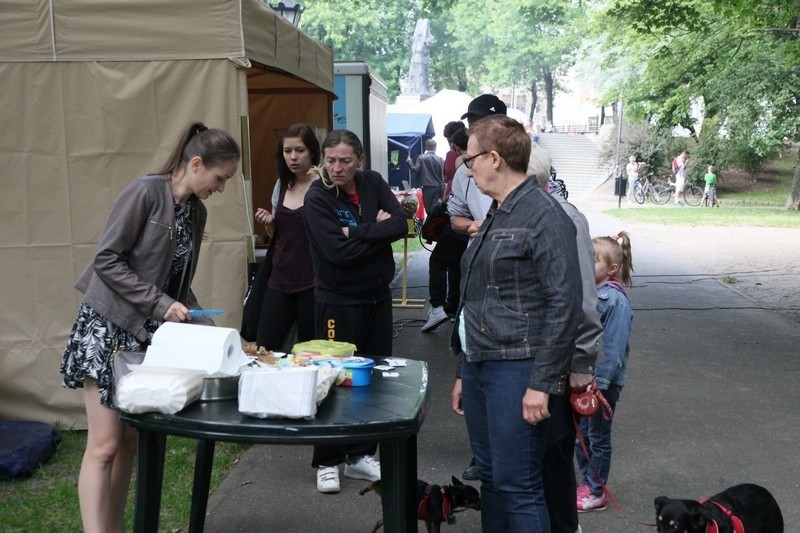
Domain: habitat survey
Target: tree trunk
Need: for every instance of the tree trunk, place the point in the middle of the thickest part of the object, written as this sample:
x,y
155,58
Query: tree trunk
x,y
793,203
549,88
463,85
534,100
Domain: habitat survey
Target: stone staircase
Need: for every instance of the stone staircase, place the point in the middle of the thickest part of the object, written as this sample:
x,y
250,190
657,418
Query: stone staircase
x,y
574,157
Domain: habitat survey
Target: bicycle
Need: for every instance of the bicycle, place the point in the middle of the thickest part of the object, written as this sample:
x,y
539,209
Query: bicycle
x,y
692,194
645,188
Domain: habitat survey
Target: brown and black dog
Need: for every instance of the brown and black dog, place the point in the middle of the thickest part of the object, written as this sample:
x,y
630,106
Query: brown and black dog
x,y
436,503
747,507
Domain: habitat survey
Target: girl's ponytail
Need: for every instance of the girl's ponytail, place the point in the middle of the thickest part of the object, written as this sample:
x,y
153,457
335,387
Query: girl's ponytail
x,y
214,146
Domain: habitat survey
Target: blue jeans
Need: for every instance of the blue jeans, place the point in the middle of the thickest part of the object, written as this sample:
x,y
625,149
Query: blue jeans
x,y
596,432
508,451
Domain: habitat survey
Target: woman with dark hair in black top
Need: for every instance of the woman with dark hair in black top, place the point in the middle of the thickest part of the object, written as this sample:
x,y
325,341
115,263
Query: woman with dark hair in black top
x,y
287,275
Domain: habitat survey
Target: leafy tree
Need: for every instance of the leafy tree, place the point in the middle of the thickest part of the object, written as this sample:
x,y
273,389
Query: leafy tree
x,y
737,59
515,42
378,32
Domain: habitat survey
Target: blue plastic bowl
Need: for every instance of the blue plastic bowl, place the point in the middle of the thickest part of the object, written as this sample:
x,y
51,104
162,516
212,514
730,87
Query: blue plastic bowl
x,y
358,372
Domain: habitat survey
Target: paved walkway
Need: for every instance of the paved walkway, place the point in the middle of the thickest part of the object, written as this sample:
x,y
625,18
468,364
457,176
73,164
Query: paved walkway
x,y
710,402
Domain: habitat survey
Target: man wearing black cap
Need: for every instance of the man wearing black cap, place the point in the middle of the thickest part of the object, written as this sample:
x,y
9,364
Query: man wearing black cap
x,y
483,106
468,205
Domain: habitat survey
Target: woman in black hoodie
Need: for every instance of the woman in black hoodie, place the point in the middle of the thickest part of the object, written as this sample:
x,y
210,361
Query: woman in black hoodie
x,y
351,217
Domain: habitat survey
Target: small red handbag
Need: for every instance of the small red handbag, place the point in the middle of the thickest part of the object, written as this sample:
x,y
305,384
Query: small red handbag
x,y
590,401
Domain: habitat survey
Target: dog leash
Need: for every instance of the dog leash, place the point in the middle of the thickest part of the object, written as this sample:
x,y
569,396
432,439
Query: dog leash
x,y
623,514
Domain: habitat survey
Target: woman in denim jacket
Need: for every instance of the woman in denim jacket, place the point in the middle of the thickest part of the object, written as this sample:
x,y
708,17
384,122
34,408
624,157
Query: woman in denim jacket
x,y
520,308
613,267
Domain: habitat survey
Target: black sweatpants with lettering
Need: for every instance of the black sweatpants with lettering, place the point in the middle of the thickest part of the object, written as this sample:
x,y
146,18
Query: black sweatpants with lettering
x,y
369,327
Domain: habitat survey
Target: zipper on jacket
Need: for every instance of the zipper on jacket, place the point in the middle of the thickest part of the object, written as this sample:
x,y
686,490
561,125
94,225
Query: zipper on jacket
x,y
163,226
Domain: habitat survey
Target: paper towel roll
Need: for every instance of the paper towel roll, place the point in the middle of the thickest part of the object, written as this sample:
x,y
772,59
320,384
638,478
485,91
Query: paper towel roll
x,y
210,349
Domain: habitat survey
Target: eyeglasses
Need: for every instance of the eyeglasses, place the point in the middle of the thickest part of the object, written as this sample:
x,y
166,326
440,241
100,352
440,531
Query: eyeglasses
x,y
468,162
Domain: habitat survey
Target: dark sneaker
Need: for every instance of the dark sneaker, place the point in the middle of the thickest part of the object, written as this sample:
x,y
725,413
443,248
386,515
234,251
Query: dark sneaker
x,y
471,472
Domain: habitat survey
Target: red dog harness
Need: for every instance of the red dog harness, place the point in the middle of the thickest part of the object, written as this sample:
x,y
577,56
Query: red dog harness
x,y
736,522
423,513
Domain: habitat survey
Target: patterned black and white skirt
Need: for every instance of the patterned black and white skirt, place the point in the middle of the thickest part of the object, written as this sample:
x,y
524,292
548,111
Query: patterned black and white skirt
x,y
89,348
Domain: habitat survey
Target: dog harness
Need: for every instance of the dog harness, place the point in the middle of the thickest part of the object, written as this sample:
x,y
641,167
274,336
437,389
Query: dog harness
x,y
736,522
423,513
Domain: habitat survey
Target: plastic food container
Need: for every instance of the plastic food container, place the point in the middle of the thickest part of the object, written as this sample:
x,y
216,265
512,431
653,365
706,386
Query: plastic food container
x,y
325,348
358,372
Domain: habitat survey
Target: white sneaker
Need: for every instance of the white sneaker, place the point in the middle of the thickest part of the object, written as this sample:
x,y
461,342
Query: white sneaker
x,y
328,479
436,317
365,467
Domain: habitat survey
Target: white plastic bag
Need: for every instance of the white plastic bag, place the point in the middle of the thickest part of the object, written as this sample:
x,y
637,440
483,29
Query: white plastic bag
x,y
160,390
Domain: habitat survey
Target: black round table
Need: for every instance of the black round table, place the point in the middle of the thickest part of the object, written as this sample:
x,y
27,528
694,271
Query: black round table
x,y
389,410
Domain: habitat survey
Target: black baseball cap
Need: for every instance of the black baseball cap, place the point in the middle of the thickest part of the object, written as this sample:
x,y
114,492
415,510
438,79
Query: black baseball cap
x,y
485,105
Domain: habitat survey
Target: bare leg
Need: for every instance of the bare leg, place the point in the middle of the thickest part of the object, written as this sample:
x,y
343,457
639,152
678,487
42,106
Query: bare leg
x,y
121,472
99,473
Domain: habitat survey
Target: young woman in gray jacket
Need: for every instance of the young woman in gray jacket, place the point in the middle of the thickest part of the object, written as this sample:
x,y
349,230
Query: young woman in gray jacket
x,y
140,276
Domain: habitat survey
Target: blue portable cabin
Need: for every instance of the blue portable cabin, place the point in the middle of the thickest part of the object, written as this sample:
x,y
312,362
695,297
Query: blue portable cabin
x,y
406,133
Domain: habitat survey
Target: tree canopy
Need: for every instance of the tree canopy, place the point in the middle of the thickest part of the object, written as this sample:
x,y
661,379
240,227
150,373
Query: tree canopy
x,y
736,62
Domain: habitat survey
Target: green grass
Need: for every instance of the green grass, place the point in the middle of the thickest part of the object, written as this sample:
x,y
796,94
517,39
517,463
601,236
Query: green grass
x,y
761,205
774,185
48,501
413,245
776,196
704,216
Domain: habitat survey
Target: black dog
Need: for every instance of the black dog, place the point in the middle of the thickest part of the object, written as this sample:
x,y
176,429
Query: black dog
x,y
436,503
745,507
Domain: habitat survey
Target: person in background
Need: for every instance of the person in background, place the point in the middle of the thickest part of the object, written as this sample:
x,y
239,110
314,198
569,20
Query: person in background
x,y
632,170
284,290
613,262
351,217
450,158
710,192
140,276
681,175
429,169
468,206
444,264
515,337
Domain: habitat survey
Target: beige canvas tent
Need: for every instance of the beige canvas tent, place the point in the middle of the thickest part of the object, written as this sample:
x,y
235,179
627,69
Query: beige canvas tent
x,y
94,94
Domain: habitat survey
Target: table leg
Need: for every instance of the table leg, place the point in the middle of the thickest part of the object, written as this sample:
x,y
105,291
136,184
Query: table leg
x,y
204,461
399,484
149,478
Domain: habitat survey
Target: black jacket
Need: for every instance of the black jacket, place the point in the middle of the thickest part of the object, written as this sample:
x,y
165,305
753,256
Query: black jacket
x,y
358,268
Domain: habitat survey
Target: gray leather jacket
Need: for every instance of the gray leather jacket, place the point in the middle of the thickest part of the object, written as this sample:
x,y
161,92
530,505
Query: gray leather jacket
x,y
133,257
